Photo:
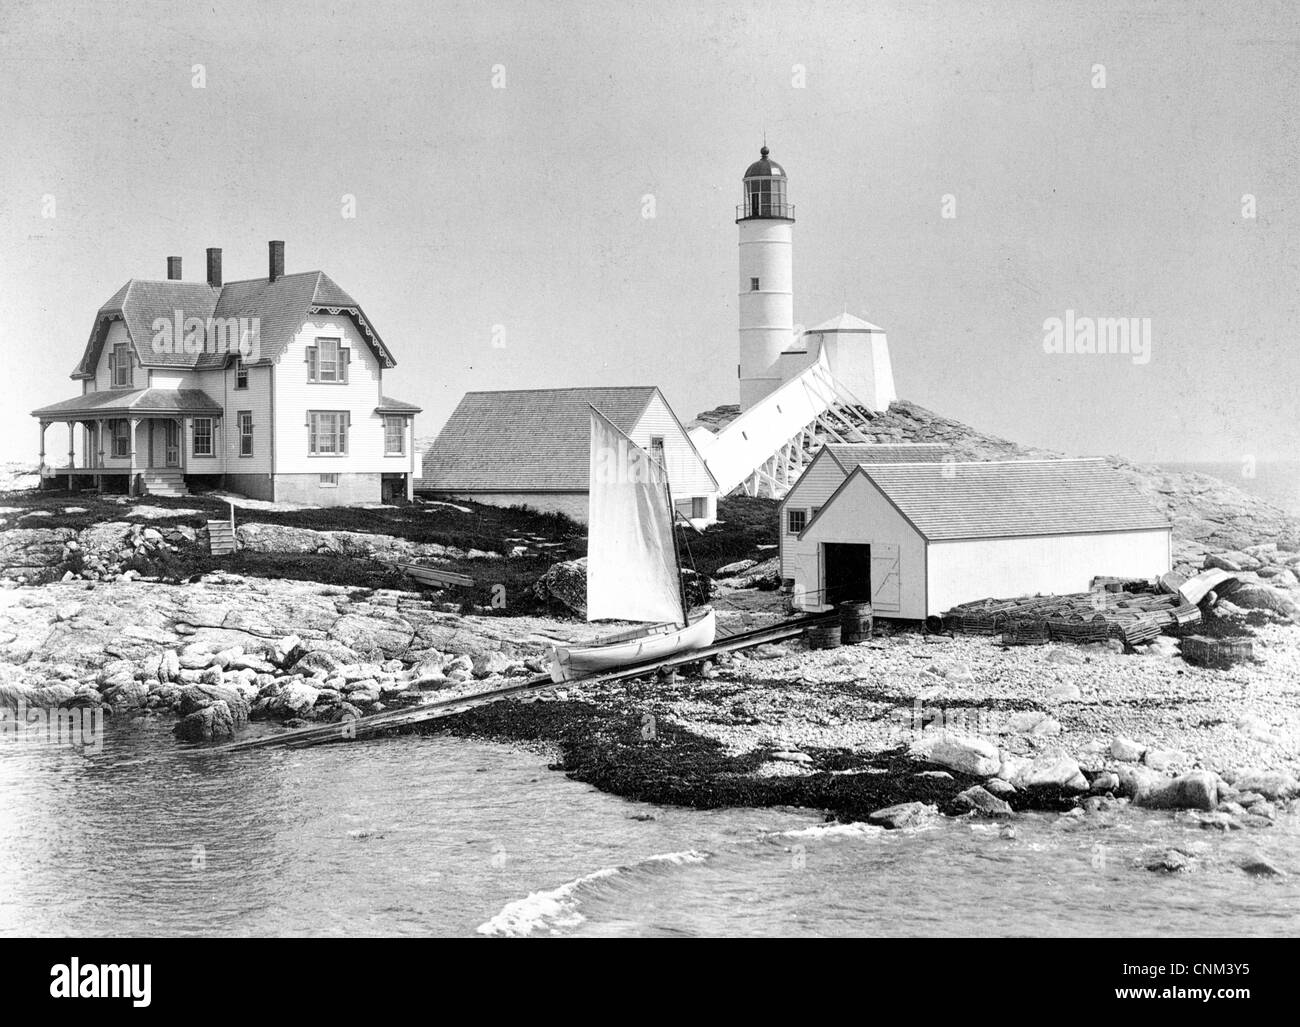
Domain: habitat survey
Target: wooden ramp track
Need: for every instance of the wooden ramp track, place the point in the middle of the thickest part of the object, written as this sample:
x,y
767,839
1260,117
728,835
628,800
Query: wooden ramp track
x,y
439,708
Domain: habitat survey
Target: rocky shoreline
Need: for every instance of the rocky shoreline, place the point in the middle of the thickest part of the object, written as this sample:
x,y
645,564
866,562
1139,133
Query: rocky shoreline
x,y
905,727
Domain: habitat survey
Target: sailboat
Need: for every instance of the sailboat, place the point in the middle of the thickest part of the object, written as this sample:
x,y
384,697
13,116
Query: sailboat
x,y
633,568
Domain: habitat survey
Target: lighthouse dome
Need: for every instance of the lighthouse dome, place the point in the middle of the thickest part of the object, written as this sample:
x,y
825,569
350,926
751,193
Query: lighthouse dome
x,y
764,167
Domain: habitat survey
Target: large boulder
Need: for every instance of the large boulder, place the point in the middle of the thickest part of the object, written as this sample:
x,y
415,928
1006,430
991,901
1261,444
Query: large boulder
x,y
1253,596
196,697
490,665
295,699
279,538
1052,771
323,658
127,695
980,800
965,754
1198,789
1272,784
211,722
31,550
905,814
50,696
565,583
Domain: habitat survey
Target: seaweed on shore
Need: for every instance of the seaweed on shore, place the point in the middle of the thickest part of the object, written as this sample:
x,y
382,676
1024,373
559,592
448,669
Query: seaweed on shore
x,y
608,748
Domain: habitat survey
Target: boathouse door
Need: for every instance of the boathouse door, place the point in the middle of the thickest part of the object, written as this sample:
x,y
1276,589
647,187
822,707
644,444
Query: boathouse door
x,y
846,572
886,596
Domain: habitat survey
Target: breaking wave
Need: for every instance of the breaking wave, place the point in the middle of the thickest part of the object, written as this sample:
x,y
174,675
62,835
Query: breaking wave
x,y
834,830
557,910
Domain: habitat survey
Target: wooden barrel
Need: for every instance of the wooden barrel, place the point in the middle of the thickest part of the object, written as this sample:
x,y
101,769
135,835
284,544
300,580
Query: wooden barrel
x,y
824,636
855,622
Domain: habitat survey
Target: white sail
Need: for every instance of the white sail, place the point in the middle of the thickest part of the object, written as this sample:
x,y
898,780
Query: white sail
x,y
631,563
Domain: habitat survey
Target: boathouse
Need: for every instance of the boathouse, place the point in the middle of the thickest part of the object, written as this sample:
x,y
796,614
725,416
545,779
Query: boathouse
x,y
917,538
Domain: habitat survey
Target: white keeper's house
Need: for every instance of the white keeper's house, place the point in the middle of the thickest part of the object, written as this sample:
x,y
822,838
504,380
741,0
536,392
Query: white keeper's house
x,y
532,448
271,387
916,539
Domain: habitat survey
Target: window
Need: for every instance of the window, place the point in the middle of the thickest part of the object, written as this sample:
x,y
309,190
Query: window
x,y
657,449
327,432
753,285
699,507
815,511
394,436
121,437
241,374
120,361
327,361
796,521
245,433
329,481
203,436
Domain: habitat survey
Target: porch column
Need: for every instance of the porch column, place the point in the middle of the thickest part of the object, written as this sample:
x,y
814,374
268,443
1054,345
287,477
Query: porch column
x,y
130,482
72,456
410,441
44,425
100,426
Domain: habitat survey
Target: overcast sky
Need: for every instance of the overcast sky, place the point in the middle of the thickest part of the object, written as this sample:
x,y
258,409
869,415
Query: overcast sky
x,y
523,206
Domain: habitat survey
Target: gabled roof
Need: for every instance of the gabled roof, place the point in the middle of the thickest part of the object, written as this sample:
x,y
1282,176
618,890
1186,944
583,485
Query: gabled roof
x,y
1007,499
528,439
137,401
280,308
849,454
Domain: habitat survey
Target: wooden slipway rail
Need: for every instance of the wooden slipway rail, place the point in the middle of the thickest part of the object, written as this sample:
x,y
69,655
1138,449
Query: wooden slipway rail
x,y
349,730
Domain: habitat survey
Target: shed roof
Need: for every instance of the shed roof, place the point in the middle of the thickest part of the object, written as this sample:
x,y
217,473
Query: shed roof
x,y
1008,498
844,322
526,439
849,454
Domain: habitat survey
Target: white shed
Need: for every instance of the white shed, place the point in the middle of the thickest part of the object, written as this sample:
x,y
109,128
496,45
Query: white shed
x,y
917,539
834,462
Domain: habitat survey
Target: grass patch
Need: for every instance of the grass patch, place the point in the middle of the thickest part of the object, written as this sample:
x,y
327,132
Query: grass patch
x,y
745,523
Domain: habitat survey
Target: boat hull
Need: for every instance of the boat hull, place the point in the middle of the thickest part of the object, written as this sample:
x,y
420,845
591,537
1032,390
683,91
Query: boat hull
x,y
569,662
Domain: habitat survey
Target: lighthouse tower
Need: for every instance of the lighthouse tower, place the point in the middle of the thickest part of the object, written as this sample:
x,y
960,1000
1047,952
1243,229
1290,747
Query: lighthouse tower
x,y
766,221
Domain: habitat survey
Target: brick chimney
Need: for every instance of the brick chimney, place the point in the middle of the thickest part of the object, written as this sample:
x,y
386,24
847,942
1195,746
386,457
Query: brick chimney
x,y
173,269
214,267
275,250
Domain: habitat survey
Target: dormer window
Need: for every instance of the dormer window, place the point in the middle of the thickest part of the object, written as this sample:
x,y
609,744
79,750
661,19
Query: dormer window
x,y
120,362
327,361
241,374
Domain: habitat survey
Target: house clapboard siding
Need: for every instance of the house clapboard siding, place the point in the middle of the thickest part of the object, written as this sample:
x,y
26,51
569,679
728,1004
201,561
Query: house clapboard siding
x,y
172,390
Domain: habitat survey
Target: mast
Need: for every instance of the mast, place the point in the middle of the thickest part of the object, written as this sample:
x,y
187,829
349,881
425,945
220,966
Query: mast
x,y
677,556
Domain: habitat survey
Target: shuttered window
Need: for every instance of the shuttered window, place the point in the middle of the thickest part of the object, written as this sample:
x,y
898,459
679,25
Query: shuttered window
x,y
327,361
327,432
